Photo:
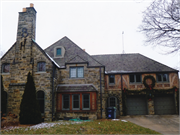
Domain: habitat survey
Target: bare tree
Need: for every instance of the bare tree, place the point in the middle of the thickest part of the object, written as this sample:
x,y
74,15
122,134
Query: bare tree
x,y
161,25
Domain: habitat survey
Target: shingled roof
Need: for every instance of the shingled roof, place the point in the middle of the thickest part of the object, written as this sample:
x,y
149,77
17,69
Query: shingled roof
x,y
131,63
73,53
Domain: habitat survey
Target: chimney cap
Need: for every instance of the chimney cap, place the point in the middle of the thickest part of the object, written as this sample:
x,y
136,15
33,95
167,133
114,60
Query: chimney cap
x,y
24,9
31,5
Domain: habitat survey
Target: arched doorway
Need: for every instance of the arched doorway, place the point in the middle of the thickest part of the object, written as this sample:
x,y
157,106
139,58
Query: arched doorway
x,y
114,102
40,98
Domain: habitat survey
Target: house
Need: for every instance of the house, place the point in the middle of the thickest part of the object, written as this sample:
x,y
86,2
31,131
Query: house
x,y
70,83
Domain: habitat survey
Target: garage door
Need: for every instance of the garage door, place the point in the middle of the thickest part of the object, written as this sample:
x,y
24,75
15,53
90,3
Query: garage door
x,y
164,105
136,105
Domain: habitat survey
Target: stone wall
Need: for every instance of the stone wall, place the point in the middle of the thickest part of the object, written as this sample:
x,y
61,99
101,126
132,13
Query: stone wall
x,y
91,76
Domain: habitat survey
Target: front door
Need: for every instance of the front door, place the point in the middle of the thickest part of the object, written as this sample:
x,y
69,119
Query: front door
x,y
114,102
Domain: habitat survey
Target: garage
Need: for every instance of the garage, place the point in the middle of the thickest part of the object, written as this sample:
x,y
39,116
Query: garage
x,y
164,104
136,105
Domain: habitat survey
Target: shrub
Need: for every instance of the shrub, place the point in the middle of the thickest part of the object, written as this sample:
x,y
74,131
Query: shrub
x,y
29,108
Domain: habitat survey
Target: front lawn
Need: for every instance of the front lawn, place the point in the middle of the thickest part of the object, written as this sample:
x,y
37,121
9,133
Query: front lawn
x,y
93,127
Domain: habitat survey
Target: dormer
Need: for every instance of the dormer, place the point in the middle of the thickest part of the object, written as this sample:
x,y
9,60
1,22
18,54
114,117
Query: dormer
x,y
59,52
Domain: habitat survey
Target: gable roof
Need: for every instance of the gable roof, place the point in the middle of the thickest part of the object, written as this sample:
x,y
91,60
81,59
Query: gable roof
x,y
45,53
71,51
131,63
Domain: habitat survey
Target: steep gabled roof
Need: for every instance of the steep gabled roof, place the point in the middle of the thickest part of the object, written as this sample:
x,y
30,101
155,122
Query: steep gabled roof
x,y
77,59
131,63
71,51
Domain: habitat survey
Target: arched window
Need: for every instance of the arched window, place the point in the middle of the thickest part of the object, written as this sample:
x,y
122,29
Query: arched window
x,y
41,66
112,102
40,98
5,68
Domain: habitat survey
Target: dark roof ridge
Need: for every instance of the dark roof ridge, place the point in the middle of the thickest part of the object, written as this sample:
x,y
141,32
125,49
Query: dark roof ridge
x,y
114,54
56,42
159,62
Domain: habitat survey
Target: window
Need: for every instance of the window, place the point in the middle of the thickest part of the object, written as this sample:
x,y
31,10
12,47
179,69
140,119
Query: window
x,y
135,78
6,68
40,98
65,103
75,102
86,102
76,72
162,78
112,102
58,52
111,79
41,66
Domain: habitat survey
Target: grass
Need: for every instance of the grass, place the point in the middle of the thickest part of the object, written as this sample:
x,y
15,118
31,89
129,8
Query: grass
x,y
94,127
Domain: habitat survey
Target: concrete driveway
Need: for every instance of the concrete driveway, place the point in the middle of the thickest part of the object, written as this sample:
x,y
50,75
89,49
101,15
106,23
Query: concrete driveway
x,y
164,124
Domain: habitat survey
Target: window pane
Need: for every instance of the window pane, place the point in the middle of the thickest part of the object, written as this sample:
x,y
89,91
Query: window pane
x,y
112,102
58,51
80,71
86,101
131,78
111,79
73,72
65,101
41,66
159,78
75,101
165,77
138,78
5,68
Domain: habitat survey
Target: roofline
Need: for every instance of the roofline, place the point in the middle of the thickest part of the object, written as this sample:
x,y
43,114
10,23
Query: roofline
x,y
143,72
8,50
43,52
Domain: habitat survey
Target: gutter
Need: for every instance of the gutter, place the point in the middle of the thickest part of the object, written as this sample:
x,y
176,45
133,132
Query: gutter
x,y
100,91
53,91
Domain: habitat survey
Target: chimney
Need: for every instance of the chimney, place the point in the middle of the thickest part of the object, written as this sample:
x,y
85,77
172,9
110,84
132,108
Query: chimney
x,y
31,5
84,49
24,9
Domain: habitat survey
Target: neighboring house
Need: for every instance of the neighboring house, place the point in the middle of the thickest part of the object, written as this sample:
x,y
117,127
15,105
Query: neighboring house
x,y
72,83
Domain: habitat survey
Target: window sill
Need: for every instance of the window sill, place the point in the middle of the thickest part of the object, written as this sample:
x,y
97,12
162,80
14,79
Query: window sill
x,y
40,72
76,110
77,78
162,82
131,83
5,73
111,84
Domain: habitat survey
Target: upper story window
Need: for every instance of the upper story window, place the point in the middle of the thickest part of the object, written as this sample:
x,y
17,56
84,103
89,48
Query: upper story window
x,y
162,78
58,52
111,79
135,78
6,68
41,66
76,72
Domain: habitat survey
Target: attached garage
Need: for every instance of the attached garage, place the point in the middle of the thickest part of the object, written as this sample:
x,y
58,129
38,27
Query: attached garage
x,y
164,104
136,105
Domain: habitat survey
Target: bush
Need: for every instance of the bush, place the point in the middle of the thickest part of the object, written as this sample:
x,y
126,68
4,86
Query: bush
x,y
3,98
29,108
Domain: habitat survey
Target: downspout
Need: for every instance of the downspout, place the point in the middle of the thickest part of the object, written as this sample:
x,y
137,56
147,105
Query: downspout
x,y
122,90
53,91
100,91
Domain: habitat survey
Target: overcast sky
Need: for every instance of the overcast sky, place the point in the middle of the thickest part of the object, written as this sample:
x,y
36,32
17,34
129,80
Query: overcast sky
x,y
95,26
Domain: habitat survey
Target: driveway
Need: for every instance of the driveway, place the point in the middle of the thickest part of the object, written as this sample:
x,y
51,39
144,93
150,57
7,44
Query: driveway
x,y
164,124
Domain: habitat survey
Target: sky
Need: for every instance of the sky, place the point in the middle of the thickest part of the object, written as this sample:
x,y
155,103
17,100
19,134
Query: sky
x,y
95,26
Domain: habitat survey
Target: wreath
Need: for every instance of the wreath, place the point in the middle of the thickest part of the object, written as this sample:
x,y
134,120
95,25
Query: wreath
x,y
151,84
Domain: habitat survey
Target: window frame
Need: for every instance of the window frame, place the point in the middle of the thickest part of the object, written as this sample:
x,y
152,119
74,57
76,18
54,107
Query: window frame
x,y
41,99
73,101
135,78
162,80
83,102
76,72
57,50
63,101
3,66
38,66
113,78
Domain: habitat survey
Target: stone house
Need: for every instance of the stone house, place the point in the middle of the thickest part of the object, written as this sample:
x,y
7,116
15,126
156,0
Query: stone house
x,y
71,83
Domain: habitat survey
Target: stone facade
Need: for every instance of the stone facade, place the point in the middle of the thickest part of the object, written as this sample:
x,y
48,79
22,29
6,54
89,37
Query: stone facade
x,y
25,55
